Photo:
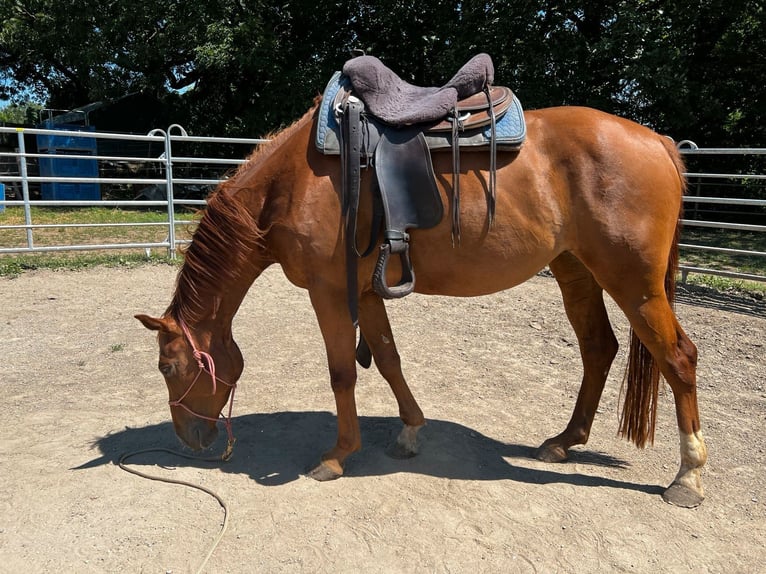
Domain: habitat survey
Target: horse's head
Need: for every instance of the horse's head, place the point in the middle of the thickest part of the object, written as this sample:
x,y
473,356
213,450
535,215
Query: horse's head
x,y
200,374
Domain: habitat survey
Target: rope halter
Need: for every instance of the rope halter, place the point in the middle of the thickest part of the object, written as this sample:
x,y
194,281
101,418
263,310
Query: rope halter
x,y
206,364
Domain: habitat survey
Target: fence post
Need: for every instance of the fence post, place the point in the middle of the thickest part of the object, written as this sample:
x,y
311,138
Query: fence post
x,y
171,193
167,156
171,197
25,187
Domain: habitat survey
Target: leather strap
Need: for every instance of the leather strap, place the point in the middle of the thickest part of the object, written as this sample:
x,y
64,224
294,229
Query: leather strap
x,y
492,158
457,125
350,167
455,177
410,199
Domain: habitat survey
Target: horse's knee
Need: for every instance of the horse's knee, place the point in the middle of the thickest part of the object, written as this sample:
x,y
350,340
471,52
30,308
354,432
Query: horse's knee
x,y
389,365
342,379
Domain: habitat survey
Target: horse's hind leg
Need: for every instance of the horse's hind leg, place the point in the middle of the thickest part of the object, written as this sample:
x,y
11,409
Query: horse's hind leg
x,y
658,329
376,330
584,304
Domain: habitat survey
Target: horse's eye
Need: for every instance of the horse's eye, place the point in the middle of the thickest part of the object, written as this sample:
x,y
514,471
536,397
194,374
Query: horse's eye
x,y
167,369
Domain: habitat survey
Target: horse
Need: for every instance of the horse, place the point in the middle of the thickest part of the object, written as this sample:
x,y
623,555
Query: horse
x,y
594,197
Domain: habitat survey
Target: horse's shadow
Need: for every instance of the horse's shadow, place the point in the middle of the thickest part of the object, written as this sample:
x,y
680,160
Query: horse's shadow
x,y
277,448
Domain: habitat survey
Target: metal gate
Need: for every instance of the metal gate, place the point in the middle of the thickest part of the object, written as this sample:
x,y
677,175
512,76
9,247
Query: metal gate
x,y
714,191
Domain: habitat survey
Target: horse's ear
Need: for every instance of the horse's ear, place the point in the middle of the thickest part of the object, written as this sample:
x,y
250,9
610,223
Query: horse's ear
x,y
154,324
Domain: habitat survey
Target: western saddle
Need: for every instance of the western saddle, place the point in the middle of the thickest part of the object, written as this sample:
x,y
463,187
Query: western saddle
x,y
384,122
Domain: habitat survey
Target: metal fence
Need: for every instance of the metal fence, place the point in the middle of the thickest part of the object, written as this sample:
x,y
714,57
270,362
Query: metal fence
x,y
732,194
731,201
153,172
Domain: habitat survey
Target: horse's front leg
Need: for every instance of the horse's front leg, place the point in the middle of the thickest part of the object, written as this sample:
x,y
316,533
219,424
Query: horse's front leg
x,y
376,329
339,336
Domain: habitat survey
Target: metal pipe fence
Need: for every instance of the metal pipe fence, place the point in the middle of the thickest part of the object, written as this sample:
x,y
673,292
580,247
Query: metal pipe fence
x,y
706,189
709,191
160,168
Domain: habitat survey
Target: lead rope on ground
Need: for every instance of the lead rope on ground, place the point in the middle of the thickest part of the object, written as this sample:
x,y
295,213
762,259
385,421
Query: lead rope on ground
x,y
219,537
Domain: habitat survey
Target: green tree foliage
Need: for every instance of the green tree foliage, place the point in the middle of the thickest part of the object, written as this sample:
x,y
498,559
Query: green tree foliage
x,y
690,68
21,113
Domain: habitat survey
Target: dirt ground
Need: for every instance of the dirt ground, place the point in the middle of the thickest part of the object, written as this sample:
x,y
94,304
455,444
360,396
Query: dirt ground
x,y
495,376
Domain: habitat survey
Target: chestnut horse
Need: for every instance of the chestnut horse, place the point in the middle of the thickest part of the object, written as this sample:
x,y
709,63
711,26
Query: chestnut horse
x,y
593,196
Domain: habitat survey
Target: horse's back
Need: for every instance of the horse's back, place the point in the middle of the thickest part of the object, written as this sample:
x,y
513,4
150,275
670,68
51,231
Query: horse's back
x,y
588,134
587,182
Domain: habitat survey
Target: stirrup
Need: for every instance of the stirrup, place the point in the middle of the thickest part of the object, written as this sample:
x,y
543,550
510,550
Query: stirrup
x,y
395,242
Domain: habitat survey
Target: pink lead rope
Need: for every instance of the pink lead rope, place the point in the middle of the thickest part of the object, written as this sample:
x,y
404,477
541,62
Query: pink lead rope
x,y
207,364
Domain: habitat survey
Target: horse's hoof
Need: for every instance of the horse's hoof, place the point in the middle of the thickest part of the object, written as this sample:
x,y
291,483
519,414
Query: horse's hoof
x,y
325,471
683,496
551,453
401,451
406,445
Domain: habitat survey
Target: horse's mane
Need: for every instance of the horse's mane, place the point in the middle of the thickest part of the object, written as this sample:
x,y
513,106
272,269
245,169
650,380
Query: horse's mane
x,y
228,240
223,247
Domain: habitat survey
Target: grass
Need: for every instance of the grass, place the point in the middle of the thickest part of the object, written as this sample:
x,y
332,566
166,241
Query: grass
x,y
753,289
731,239
151,231
12,265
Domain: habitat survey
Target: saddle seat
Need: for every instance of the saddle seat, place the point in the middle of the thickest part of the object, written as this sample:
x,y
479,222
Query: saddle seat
x,y
468,97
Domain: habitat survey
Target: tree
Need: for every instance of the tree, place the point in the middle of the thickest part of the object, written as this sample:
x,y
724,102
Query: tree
x,y
23,113
70,52
690,68
240,65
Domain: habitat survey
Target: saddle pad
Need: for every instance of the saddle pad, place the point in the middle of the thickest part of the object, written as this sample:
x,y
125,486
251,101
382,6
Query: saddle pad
x,y
510,130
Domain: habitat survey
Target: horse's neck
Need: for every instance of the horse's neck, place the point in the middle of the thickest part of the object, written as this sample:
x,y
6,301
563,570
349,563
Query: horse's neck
x,y
215,306
233,243
213,292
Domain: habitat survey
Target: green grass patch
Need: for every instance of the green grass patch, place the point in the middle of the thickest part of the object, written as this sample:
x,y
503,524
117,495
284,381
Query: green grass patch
x,y
730,239
752,289
14,265
152,226
152,229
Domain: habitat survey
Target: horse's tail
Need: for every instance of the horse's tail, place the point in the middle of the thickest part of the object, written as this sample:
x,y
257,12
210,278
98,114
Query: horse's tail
x,y
642,376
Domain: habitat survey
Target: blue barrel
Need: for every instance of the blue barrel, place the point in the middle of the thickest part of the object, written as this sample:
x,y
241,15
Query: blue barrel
x,y
68,167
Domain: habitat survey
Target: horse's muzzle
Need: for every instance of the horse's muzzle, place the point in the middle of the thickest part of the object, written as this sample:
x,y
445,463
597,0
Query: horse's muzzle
x,y
197,434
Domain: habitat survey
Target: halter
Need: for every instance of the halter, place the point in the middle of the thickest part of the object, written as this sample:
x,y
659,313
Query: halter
x,y
207,364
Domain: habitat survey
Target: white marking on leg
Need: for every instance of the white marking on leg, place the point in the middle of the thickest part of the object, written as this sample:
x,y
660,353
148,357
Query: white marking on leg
x,y
693,457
